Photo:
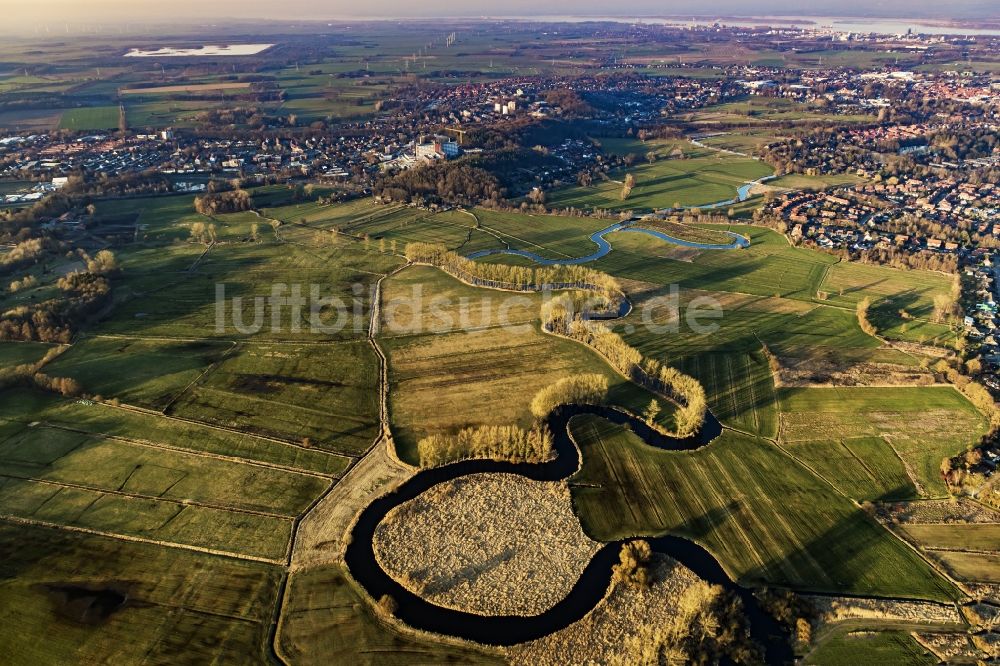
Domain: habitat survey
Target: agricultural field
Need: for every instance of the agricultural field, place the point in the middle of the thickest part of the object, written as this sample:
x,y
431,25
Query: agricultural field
x,y
696,181
763,111
846,283
390,227
104,600
662,148
550,236
326,395
709,235
796,181
325,620
739,142
902,301
18,353
148,373
187,88
878,648
315,214
964,66
22,408
173,293
974,536
923,425
90,118
58,456
965,565
160,113
767,519
769,267
739,387
54,475
738,322
195,500
862,468
318,93
160,219
969,552
31,120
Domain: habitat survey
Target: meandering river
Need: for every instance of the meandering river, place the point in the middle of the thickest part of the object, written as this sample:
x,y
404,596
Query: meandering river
x,y
604,247
588,591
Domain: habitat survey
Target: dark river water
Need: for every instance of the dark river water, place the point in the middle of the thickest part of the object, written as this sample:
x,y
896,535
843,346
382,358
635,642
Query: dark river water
x,y
593,582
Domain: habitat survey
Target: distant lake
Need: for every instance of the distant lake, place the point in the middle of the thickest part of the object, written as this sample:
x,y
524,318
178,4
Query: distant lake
x,y
205,50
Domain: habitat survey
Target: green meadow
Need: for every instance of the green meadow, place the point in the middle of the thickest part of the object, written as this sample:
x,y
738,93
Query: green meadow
x,y
694,181
767,519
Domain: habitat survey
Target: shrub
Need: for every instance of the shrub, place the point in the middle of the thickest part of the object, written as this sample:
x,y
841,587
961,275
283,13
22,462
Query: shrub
x,y
387,605
633,564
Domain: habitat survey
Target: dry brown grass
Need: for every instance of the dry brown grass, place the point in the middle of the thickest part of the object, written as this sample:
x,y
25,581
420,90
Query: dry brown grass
x,y
982,615
923,350
947,646
624,616
988,592
837,609
939,512
937,424
816,370
320,537
494,544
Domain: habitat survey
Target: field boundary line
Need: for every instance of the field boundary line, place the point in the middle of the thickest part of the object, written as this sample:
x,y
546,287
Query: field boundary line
x,y
906,467
247,342
793,536
384,437
212,366
777,444
134,539
953,549
522,240
929,561
194,452
854,456
215,426
753,547
154,498
302,408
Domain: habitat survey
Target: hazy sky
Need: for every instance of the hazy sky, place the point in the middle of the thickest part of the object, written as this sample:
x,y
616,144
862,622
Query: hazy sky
x,y
53,12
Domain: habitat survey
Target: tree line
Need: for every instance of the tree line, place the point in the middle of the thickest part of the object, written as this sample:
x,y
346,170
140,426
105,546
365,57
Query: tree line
x,y
234,201
558,317
862,310
31,375
23,254
585,389
497,442
510,442
518,278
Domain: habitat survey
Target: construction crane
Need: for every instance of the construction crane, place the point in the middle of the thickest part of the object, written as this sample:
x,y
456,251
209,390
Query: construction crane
x,y
459,134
